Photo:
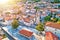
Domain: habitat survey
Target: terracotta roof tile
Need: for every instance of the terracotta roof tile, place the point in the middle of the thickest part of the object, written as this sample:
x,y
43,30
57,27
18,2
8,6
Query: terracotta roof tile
x,y
51,36
26,33
53,10
26,20
58,14
54,25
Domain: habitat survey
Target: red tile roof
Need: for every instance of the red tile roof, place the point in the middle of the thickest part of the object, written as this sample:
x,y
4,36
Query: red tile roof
x,y
52,24
0,38
53,10
7,18
58,14
31,17
26,33
26,20
51,36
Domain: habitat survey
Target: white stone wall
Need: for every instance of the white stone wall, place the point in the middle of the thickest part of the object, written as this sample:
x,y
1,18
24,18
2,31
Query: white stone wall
x,y
53,30
50,29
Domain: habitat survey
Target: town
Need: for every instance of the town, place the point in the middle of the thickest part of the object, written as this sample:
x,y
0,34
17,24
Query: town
x,y
30,20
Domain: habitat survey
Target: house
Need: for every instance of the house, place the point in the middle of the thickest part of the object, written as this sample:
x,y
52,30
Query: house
x,y
27,21
1,18
51,36
53,10
42,16
53,27
7,18
58,15
0,38
26,33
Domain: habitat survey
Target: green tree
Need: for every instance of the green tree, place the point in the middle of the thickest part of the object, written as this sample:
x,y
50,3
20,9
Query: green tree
x,y
50,14
54,19
47,18
37,8
15,24
54,14
58,6
58,21
56,1
40,27
36,0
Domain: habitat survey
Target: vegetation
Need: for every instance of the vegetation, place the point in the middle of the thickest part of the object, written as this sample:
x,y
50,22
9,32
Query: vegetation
x,y
58,6
56,1
54,19
29,2
15,24
3,36
51,17
36,0
40,27
50,14
37,8
58,21
47,18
